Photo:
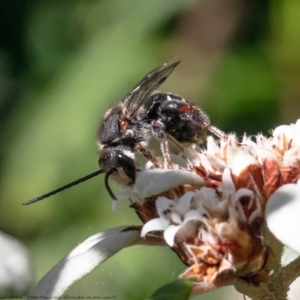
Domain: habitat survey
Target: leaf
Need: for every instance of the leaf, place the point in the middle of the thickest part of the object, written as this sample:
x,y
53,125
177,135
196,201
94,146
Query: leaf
x,y
154,182
177,290
83,259
282,215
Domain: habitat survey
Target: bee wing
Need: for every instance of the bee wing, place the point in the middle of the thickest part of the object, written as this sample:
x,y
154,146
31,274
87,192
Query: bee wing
x,y
140,93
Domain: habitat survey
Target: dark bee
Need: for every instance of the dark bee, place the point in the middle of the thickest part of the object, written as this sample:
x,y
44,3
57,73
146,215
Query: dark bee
x,y
144,113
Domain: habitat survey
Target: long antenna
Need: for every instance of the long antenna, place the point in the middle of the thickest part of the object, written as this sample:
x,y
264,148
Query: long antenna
x,y
64,187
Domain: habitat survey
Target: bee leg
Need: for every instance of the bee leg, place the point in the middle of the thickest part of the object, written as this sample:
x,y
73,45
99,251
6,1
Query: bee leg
x,y
166,154
218,132
177,144
158,132
148,155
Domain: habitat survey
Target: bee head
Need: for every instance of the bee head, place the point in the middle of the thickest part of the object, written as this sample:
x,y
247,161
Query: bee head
x,y
119,163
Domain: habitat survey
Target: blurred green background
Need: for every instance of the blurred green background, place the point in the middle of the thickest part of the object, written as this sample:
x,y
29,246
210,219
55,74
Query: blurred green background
x,y
64,63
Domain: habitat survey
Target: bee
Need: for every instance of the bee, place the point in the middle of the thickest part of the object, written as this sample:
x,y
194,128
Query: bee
x,y
143,114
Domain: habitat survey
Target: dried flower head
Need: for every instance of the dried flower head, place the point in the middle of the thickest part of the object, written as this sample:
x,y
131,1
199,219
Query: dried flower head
x,y
210,206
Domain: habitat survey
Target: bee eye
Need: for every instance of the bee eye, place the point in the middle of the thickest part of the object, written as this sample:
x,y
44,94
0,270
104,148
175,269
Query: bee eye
x,y
127,164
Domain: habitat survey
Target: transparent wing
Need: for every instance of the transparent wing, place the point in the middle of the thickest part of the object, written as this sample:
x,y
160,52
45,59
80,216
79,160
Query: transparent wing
x,y
141,92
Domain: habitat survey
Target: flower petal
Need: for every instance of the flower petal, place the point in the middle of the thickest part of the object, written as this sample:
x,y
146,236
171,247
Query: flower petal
x,y
184,203
169,234
175,217
192,215
241,193
163,204
155,225
227,183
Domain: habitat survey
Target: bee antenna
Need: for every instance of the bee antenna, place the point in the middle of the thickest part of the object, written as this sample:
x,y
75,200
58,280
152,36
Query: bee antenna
x,y
87,177
106,183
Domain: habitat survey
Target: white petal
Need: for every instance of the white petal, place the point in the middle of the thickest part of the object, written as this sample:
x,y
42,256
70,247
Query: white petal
x,y
239,159
233,213
209,194
192,152
125,192
175,217
248,142
230,141
286,129
209,162
148,166
208,236
184,203
257,213
163,204
263,142
291,157
227,183
157,224
192,215
114,206
82,260
212,146
154,182
239,208
241,193
169,234
197,201
282,214
211,199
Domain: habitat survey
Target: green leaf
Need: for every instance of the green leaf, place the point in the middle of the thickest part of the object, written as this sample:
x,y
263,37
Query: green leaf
x,y
176,290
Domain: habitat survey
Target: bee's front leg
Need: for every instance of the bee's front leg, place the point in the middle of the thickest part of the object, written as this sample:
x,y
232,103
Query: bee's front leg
x,y
158,132
147,154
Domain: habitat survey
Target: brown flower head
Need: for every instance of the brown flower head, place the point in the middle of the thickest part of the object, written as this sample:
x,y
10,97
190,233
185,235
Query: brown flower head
x,y
210,206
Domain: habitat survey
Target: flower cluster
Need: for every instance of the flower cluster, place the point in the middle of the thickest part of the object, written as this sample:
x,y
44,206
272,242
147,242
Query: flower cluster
x,y
214,223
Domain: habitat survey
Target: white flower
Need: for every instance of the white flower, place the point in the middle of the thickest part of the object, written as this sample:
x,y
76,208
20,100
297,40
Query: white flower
x,y
173,216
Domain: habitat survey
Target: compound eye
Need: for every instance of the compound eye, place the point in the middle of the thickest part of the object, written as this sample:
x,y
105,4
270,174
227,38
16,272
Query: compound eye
x,y
128,165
